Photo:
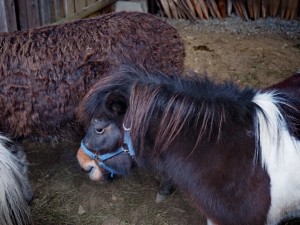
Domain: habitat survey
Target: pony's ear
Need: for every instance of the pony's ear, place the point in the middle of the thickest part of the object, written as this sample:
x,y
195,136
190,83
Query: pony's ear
x,y
116,103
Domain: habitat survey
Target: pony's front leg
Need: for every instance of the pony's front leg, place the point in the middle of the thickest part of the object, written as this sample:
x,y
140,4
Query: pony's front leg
x,y
165,189
209,222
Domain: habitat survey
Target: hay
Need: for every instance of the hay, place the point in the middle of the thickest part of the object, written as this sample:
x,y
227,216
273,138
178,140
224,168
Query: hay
x,y
246,9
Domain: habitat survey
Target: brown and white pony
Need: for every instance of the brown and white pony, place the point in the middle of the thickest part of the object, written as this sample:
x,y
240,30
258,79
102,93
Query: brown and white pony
x,y
235,152
97,173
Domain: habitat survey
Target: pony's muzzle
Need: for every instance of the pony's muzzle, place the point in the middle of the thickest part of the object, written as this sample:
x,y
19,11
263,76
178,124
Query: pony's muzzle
x,y
95,172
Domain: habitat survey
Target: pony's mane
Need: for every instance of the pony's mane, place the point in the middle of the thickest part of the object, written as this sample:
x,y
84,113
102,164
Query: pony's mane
x,y
121,81
190,103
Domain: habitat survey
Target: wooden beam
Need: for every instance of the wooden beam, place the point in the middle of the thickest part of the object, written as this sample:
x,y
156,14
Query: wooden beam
x,y
69,6
256,8
33,13
8,20
59,10
198,9
85,12
21,14
229,7
79,5
250,4
264,8
45,12
89,2
165,5
291,9
222,8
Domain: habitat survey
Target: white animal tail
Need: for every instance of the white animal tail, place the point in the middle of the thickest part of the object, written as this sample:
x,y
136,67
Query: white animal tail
x,y
13,184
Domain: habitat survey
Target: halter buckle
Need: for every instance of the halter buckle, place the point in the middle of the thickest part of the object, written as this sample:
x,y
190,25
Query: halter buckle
x,y
125,149
97,158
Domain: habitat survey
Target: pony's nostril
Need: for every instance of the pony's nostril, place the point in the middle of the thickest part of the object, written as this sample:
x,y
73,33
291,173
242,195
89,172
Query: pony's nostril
x,y
89,169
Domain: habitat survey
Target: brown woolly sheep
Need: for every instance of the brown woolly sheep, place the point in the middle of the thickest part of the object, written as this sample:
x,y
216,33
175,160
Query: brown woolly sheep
x,y
45,72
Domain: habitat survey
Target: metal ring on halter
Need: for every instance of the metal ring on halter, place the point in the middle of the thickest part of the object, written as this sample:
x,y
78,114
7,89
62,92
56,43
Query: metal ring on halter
x,y
125,128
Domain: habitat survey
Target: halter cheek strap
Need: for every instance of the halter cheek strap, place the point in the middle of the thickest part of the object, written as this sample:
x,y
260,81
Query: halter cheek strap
x,y
101,158
128,142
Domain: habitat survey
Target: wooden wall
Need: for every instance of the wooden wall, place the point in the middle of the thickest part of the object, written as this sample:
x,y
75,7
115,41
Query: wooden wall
x,y
25,14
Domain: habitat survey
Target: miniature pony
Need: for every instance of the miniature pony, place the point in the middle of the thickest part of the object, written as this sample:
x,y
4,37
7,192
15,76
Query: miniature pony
x,y
234,152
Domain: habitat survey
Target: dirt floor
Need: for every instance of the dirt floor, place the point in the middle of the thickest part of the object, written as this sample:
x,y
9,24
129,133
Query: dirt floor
x,y
256,54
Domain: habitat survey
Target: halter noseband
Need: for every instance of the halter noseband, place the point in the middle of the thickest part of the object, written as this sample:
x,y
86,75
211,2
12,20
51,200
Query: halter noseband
x,y
101,158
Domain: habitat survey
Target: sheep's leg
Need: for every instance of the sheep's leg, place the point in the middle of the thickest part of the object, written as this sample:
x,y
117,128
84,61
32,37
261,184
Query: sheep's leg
x,y
165,189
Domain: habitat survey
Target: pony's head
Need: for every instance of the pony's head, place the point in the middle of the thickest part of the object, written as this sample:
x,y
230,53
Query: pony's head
x,y
102,112
104,134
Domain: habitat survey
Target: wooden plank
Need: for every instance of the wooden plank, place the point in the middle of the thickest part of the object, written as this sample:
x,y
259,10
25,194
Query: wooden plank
x,y
160,11
264,8
173,9
250,4
191,8
3,19
45,11
256,9
198,9
21,15
237,9
210,7
33,13
283,7
59,10
69,7
131,6
242,4
222,8
8,20
180,12
79,5
294,9
273,7
88,10
204,9
182,4
90,2
166,8
215,8
291,9
229,7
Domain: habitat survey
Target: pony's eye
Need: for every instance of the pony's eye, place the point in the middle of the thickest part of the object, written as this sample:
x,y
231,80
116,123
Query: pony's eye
x,y
100,131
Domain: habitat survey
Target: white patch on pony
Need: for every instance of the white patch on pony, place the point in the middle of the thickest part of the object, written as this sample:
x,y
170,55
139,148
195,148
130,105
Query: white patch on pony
x,y
280,155
209,222
13,182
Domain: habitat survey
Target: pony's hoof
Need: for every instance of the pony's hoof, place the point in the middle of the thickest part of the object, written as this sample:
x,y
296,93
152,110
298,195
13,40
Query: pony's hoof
x,y
159,198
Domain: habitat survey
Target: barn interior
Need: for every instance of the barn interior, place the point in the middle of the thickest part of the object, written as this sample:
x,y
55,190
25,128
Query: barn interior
x,y
253,43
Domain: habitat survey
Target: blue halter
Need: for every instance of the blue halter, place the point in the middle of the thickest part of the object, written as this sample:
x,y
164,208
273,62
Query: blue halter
x,y
101,158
